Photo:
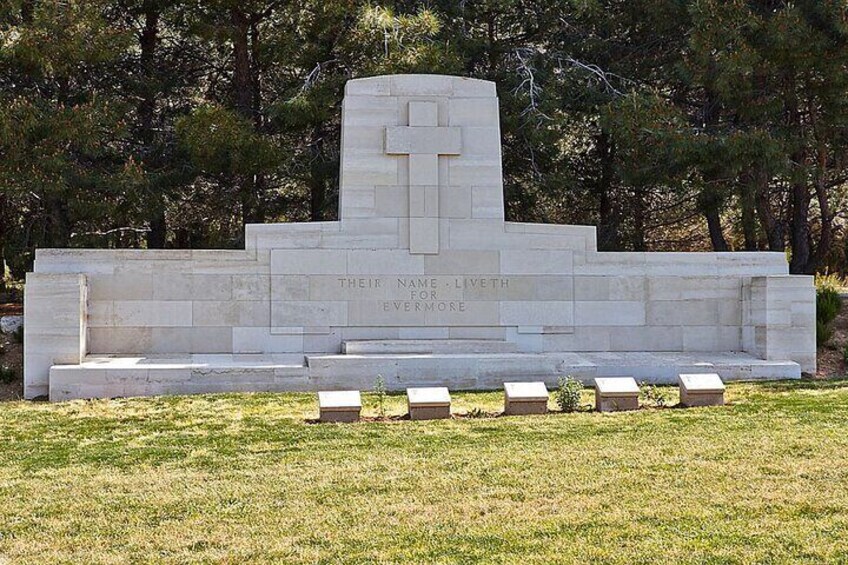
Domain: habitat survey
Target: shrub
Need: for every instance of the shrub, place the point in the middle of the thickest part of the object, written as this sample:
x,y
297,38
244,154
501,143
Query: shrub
x,y
652,394
568,394
845,354
828,305
380,391
7,374
823,333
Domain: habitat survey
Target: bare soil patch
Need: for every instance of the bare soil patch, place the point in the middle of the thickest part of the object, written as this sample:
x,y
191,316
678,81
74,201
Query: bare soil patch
x,y
11,355
831,362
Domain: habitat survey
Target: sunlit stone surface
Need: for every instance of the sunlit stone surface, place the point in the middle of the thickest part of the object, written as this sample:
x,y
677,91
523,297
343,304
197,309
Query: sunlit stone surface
x,y
421,253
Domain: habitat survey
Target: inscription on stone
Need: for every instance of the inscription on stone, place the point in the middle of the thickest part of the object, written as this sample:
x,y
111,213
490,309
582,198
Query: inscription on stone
x,y
418,299
418,294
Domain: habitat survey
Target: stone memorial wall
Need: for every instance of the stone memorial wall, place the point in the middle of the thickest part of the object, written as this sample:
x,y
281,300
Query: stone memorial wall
x,y
421,254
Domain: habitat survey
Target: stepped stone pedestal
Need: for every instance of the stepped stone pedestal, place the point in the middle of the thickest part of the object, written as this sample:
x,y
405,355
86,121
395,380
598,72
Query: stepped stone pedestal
x,y
705,389
339,406
428,403
616,394
421,280
525,398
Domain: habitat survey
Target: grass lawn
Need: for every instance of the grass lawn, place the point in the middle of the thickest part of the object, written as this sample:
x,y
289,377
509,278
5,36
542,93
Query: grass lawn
x,y
243,478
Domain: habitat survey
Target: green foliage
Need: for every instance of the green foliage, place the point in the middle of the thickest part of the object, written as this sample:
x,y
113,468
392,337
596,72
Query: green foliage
x,y
567,395
173,124
221,142
845,354
380,392
653,395
828,306
7,374
824,333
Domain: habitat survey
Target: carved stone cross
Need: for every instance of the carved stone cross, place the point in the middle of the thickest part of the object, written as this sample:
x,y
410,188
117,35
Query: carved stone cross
x,y
423,141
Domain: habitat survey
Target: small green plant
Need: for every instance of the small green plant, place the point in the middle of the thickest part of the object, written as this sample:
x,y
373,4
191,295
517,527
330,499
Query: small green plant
x,y
845,354
653,395
7,374
477,413
824,333
18,334
828,305
568,392
380,391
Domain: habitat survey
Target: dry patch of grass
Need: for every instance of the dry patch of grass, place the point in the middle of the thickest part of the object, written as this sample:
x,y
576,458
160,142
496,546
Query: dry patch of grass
x,y
244,478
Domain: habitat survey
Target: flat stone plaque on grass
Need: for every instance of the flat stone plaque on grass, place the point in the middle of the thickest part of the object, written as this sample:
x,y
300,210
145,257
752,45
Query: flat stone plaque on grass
x,y
428,403
525,398
705,389
616,393
339,405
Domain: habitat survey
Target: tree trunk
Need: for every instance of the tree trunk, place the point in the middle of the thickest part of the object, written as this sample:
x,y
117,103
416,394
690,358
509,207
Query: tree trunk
x,y
317,180
243,95
711,207
714,226
608,237
747,199
638,236
800,237
148,42
771,225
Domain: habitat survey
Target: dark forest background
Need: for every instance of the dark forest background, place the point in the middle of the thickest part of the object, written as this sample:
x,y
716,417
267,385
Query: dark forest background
x,y
669,124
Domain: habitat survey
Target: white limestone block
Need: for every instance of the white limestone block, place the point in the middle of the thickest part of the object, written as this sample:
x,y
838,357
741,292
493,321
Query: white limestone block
x,y
392,201
478,171
423,114
372,86
339,405
609,313
298,313
452,262
705,389
308,262
428,403
369,111
366,140
487,202
390,262
472,87
525,398
548,313
261,340
404,140
424,235
481,143
423,170
474,112
231,313
455,201
421,85
614,394
364,170
536,262
140,313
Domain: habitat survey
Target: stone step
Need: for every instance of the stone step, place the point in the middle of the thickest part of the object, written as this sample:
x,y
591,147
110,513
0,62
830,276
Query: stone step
x,y
484,371
434,346
110,376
